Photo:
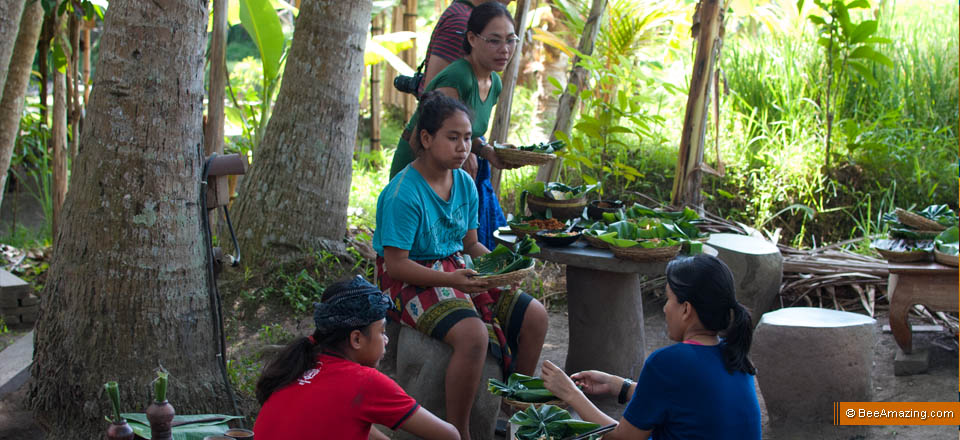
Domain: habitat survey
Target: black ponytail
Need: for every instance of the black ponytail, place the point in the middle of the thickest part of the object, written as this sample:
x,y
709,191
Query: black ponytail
x,y
301,354
707,284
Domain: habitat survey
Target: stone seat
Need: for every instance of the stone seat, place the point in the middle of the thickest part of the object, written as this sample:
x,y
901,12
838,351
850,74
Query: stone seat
x,y
808,358
757,267
421,364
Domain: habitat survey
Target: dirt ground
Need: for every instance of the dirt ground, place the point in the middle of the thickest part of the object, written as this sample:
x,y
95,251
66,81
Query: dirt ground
x,y
939,384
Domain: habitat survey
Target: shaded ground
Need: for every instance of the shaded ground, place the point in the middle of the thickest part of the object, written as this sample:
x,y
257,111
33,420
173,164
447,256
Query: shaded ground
x,y
939,384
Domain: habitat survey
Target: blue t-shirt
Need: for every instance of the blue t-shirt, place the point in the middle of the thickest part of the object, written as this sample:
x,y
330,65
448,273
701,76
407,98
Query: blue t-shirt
x,y
411,216
684,392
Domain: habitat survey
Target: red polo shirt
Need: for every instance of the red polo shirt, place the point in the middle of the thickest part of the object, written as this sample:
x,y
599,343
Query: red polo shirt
x,y
337,399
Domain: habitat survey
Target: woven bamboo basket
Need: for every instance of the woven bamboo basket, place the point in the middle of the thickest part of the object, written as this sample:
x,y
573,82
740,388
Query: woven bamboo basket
x,y
642,254
508,278
947,259
918,221
522,406
596,242
559,209
515,157
904,257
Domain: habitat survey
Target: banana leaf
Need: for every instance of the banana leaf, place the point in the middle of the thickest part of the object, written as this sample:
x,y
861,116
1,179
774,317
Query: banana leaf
x,y
939,213
902,245
947,241
215,424
522,388
548,421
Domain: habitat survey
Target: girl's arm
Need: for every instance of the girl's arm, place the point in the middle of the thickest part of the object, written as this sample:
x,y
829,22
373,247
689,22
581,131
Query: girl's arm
x,y
402,268
375,434
472,245
424,424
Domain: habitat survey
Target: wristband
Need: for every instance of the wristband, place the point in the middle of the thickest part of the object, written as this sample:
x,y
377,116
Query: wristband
x,y
624,390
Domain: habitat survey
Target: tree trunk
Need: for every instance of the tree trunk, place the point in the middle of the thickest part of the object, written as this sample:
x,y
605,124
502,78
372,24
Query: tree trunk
x,y
47,31
18,77
578,77
127,289
376,73
501,120
296,194
686,181
74,115
10,14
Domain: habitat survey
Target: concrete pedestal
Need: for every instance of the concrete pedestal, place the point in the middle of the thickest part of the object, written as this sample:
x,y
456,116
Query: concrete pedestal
x,y
606,326
806,359
757,268
421,367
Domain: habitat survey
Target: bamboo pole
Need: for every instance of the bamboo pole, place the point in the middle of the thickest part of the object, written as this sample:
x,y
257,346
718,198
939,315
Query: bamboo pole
x,y
213,130
577,77
686,182
410,55
87,45
501,119
390,94
375,75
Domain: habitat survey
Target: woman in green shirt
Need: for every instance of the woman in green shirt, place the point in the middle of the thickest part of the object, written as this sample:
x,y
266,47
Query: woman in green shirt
x,y
489,43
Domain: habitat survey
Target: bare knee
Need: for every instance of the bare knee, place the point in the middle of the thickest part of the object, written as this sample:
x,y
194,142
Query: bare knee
x,y
535,320
468,337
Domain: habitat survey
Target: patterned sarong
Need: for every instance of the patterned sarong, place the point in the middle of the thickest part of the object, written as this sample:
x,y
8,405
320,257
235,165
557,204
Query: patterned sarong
x,y
435,310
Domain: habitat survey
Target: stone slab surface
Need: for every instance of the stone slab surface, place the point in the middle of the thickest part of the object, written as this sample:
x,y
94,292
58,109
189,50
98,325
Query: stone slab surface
x,y
15,363
908,364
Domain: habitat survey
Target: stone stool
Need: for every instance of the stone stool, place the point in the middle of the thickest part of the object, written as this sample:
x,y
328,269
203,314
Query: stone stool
x,y
421,366
806,359
757,268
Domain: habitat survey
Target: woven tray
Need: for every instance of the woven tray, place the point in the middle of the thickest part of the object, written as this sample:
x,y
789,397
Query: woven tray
x,y
559,209
520,233
522,406
918,221
508,278
642,254
515,157
596,242
942,258
904,257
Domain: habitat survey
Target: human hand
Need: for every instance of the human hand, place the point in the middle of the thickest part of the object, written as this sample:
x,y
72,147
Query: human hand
x,y
555,380
464,281
488,153
598,382
470,165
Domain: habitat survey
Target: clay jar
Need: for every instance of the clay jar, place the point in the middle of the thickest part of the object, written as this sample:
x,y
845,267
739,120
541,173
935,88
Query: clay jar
x,y
120,431
160,415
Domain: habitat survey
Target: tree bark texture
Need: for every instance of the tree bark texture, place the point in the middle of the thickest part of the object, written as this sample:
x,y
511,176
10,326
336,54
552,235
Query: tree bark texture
x,y
127,289
578,77
296,193
686,181
18,77
501,119
213,135
10,13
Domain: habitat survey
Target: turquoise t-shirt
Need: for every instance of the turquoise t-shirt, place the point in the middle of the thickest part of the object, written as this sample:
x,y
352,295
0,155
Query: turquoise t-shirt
x,y
411,216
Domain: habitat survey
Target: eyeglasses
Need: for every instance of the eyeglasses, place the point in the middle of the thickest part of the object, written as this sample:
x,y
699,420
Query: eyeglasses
x,y
496,43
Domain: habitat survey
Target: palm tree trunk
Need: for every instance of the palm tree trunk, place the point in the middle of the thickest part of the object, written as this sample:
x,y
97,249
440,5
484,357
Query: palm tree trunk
x,y
18,77
10,14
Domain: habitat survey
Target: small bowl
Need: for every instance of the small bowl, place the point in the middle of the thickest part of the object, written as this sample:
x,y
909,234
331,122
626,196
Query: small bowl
x,y
547,237
238,433
595,210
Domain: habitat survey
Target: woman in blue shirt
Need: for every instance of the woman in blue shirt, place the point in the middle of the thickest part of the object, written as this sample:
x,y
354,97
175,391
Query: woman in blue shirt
x,y
702,387
426,221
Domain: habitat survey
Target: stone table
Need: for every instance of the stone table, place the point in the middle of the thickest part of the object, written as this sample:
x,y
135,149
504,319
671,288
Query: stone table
x,y
931,284
605,308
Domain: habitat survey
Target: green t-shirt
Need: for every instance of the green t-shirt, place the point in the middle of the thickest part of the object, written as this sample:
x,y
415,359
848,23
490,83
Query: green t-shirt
x,y
458,75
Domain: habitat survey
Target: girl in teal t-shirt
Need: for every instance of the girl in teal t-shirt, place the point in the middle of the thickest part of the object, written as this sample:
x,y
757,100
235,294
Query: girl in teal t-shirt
x,y
426,221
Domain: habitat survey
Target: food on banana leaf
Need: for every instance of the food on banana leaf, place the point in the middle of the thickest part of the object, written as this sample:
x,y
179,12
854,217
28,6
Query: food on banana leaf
x,y
542,147
948,241
521,388
557,190
503,259
551,422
